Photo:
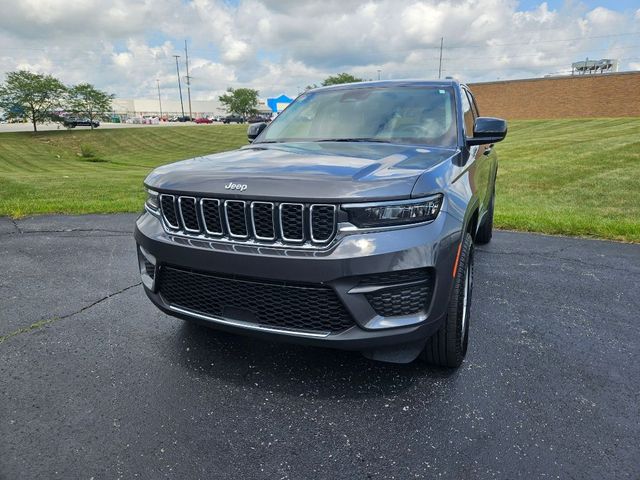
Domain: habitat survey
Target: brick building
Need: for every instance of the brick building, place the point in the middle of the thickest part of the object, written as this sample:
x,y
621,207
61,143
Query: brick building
x,y
601,95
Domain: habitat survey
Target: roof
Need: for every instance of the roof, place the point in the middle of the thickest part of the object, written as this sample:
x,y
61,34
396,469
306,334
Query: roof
x,y
391,83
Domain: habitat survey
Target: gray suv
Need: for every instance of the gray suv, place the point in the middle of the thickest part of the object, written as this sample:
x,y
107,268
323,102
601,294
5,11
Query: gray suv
x,y
348,222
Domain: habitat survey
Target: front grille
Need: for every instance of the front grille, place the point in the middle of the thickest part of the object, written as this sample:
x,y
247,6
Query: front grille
x,y
314,308
256,221
404,292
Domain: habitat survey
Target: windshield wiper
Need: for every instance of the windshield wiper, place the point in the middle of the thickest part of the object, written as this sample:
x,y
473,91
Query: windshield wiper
x,y
360,139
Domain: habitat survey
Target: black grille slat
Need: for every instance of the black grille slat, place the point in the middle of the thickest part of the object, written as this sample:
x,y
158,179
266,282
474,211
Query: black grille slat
x,y
397,276
150,269
408,299
323,222
399,292
263,224
168,206
211,216
236,218
189,213
292,222
314,308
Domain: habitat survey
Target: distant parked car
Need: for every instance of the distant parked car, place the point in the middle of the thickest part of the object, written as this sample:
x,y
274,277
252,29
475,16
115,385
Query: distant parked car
x,y
73,122
203,120
233,119
259,118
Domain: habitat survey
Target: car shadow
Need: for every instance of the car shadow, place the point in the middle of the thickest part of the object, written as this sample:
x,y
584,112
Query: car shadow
x,y
294,369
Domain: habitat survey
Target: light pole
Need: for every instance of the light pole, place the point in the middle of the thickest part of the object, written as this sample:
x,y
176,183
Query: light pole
x,y
186,57
440,64
179,85
159,98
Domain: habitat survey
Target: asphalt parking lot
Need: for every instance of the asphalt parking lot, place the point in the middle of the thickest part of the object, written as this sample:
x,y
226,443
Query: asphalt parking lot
x,y
105,386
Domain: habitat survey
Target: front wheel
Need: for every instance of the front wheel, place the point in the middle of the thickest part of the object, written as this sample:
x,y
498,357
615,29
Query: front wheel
x,y
448,346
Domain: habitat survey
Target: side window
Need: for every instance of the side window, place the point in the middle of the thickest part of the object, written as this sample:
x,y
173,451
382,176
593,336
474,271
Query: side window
x,y
467,114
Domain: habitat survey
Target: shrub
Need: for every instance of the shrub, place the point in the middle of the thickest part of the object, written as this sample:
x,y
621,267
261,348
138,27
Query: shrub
x,y
89,153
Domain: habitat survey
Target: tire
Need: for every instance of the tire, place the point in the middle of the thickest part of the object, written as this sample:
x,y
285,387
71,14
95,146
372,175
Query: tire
x,y
485,232
448,346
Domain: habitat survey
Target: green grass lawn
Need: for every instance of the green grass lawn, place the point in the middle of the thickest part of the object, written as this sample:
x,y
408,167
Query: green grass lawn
x,y
572,177
45,173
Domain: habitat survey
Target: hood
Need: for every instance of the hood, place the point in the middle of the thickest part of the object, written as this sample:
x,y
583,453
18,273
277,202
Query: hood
x,y
313,171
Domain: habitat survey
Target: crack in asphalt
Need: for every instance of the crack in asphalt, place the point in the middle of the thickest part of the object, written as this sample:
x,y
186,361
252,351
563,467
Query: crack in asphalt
x,y
552,255
42,323
16,226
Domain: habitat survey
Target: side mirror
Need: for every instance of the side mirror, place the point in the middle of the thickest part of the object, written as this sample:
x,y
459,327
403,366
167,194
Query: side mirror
x,y
488,130
254,130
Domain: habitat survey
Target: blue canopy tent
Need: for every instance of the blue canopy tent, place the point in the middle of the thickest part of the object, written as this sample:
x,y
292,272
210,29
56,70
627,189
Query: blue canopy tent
x,y
278,104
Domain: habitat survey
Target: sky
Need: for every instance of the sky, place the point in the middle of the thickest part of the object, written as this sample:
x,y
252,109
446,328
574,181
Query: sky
x,y
281,46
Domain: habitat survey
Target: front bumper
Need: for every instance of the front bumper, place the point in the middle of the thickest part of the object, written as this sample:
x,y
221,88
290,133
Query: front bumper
x,y
354,255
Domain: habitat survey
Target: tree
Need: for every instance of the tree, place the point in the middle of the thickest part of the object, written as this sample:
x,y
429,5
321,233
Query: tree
x,y
84,99
240,101
32,94
340,78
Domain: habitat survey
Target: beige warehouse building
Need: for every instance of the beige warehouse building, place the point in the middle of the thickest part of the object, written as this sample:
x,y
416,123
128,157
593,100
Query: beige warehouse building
x,y
129,108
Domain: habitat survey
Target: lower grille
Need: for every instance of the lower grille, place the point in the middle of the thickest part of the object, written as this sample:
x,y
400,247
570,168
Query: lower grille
x,y
272,304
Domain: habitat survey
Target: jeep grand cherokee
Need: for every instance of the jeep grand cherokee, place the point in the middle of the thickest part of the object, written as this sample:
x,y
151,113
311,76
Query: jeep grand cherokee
x,y
347,222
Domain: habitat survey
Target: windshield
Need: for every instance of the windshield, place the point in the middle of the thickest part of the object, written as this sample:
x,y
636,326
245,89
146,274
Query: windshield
x,y
406,115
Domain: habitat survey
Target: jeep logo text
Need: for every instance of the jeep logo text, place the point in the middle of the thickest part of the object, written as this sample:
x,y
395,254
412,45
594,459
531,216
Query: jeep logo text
x,y
235,186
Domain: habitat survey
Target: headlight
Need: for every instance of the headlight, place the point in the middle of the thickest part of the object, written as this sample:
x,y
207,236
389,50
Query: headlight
x,y
152,202
394,213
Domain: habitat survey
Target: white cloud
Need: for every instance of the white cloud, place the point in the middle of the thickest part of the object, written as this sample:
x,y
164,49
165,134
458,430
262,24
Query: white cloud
x,y
282,45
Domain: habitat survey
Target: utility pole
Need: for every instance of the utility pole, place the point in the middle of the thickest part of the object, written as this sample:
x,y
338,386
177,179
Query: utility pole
x,y
440,65
186,56
159,98
179,85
